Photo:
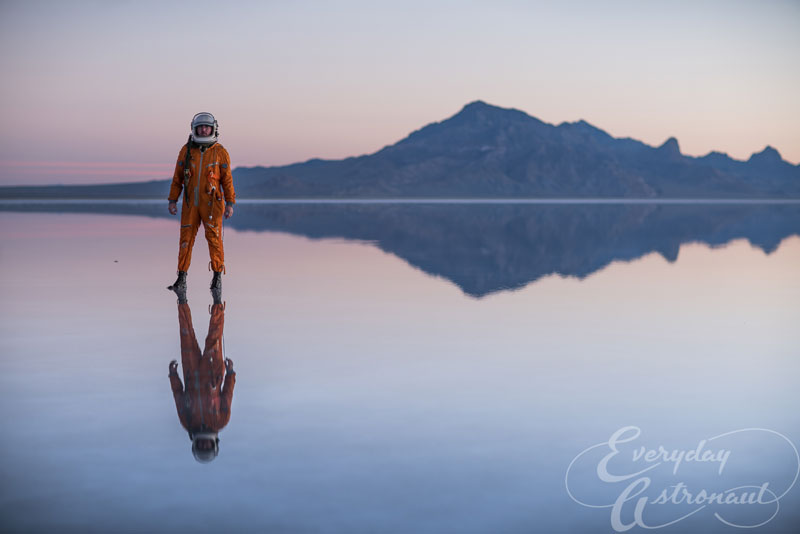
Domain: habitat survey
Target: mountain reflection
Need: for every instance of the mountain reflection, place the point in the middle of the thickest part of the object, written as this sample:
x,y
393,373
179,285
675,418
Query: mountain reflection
x,y
487,248
204,398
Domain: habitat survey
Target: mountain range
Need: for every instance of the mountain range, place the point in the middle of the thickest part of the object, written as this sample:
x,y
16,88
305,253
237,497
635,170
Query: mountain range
x,y
485,151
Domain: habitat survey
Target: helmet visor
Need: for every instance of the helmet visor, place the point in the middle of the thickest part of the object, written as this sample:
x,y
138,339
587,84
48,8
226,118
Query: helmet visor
x,y
202,118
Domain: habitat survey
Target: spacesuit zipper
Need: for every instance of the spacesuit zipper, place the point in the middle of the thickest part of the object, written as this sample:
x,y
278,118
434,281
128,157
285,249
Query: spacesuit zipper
x,y
199,176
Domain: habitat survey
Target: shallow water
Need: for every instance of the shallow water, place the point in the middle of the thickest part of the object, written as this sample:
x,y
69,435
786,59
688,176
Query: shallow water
x,y
401,368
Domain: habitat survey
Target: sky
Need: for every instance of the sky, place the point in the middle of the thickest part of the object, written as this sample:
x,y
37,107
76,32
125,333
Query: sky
x,y
104,91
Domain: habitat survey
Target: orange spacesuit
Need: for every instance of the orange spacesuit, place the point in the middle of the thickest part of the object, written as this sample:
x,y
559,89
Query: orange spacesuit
x,y
204,405
205,185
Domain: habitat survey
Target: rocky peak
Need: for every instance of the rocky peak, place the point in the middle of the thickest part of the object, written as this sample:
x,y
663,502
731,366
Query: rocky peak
x,y
670,148
768,156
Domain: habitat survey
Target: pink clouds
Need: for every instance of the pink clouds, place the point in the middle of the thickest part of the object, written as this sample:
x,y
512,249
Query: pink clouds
x,y
41,172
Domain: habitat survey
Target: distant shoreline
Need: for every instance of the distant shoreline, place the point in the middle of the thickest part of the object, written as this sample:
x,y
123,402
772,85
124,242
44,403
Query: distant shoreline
x,y
24,201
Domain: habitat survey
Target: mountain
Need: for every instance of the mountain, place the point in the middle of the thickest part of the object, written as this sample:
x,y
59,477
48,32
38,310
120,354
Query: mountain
x,y
488,151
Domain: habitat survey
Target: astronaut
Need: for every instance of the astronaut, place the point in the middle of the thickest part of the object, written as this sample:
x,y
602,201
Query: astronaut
x,y
203,173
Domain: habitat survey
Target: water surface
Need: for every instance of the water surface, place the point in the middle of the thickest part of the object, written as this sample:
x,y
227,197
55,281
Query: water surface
x,y
399,368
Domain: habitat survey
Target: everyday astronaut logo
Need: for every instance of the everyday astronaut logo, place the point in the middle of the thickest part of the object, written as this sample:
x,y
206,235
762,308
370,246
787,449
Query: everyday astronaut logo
x,y
654,486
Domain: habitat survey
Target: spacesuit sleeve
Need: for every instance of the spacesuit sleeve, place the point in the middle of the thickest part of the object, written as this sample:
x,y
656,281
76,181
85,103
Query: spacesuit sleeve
x,y
226,178
177,177
227,393
177,385
177,393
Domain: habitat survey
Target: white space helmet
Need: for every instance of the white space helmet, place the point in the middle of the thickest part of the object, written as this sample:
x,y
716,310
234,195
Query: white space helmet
x,y
204,454
201,119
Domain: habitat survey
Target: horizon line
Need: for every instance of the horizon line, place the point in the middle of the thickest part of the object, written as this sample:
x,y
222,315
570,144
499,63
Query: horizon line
x,y
478,200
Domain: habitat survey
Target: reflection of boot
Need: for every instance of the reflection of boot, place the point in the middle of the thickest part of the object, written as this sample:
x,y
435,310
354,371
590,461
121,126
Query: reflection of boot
x,y
216,282
180,283
181,292
216,294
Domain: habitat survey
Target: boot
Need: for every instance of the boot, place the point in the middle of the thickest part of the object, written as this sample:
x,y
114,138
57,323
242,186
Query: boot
x,y
180,283
216,282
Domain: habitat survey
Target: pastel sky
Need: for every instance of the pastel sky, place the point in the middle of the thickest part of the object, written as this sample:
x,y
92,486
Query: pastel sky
x,y
104,91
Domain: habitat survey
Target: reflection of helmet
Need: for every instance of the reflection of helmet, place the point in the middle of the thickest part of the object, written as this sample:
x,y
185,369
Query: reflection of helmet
x,y
205,446
205,118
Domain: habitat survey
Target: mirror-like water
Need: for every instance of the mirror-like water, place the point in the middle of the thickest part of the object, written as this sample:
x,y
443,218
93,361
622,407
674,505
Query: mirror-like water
x,y
400,368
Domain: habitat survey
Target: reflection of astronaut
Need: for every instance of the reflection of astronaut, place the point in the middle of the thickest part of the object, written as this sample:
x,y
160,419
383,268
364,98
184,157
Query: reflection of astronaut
x,y
204,406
